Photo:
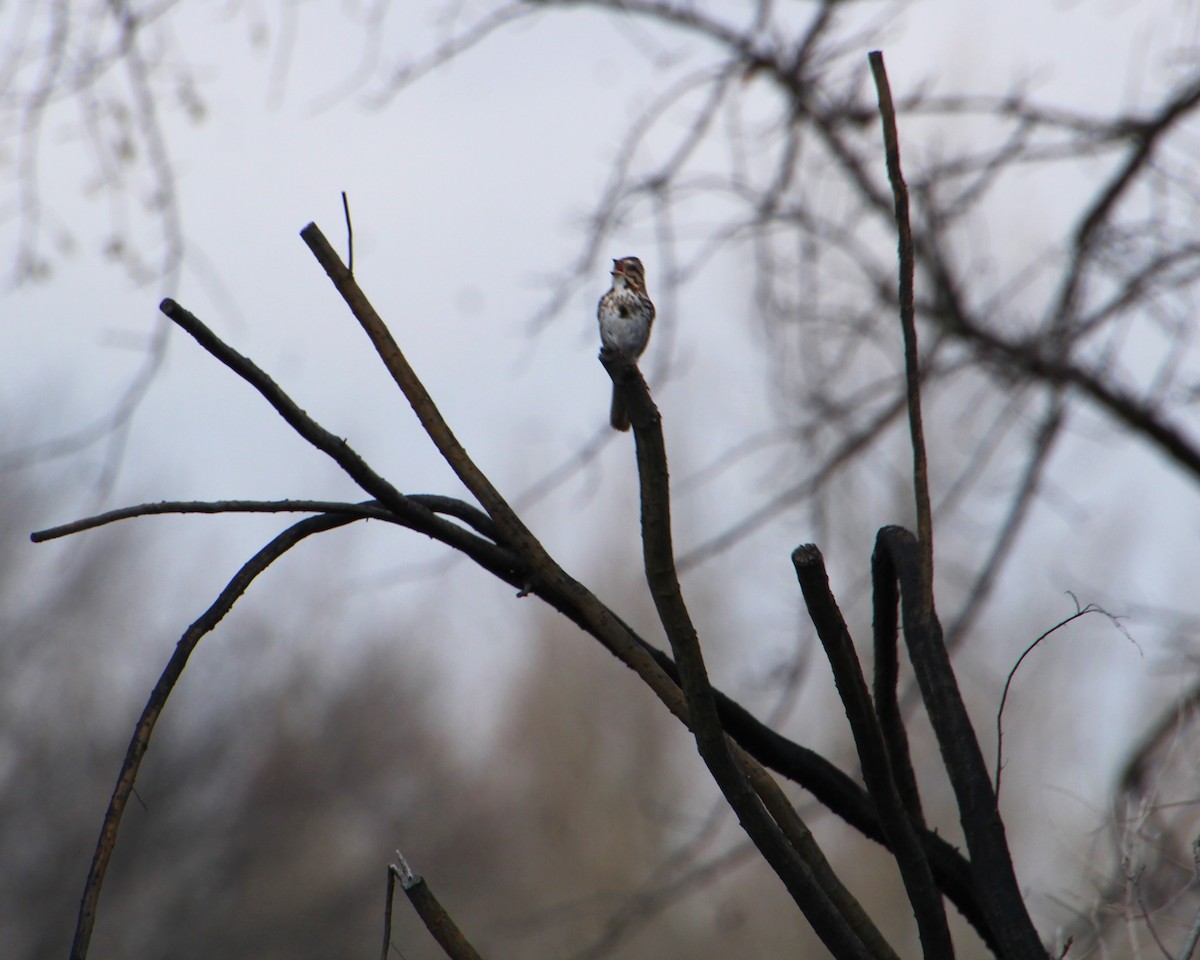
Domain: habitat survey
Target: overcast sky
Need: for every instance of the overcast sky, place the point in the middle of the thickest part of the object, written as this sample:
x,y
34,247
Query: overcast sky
x,y
469,191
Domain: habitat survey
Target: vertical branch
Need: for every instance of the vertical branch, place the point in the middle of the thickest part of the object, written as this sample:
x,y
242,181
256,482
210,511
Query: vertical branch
x,y
912,367
835,926
885,626
898,559
349,234
392,871
898,826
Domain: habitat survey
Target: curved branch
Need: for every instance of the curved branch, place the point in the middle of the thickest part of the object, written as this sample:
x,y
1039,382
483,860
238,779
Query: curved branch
x,y
140,741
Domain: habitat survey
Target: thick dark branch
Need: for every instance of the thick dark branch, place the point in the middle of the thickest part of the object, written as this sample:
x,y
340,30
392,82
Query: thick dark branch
x,y
829,921
900,830
845,798
154,706
438,922
896,561
886,655
420,518
414,391
884,629
828,784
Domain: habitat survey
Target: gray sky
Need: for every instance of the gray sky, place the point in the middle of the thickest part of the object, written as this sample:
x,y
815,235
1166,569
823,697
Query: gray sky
x,y
469,192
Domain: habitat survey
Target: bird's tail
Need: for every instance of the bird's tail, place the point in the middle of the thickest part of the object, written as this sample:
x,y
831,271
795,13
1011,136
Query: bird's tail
x,y
619,416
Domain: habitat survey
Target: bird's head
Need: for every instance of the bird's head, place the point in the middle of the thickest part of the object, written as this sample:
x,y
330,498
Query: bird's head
x,y
628,271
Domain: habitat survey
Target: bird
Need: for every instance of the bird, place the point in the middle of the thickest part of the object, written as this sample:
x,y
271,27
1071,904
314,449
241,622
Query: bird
x,y
626,314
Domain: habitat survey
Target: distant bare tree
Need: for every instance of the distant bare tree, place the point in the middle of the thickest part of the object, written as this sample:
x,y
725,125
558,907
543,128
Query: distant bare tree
x,y
1039,347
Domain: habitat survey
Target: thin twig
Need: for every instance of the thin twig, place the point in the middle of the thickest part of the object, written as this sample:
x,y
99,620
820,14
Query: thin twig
x,y
392,873
1090,608
349,234
357,510
368,510
329,443
912,365
408,510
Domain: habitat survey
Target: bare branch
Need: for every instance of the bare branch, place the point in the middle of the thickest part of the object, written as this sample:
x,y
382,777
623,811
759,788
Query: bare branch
x,y
350,510
349,234
140,742
912,370
438,922
764,813
873,753
896,573
325,441
1090,608
420,517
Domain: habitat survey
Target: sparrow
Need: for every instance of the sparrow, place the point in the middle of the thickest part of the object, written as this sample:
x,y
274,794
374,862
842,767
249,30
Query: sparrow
x,y
626,315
